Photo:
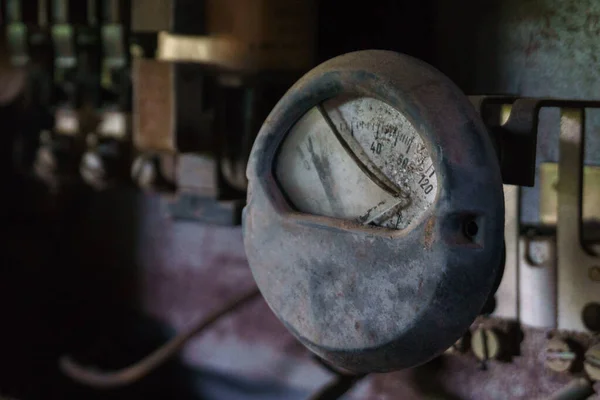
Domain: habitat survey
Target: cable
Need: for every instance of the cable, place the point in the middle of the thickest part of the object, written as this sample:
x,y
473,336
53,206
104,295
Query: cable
x,y
135,372
335,389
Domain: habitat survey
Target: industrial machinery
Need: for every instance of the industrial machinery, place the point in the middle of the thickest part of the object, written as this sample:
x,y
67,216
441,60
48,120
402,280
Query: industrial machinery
x,y
375,140
375,218
313,217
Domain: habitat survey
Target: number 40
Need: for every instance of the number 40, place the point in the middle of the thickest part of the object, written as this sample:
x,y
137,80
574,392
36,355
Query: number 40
x,y
376,147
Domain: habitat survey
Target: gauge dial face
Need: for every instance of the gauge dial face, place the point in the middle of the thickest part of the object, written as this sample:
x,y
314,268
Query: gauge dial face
x,y
357,158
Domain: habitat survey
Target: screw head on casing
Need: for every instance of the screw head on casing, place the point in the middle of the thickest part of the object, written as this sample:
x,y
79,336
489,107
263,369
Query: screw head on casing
x,y
592,363
144,171
559,355
538,252
93,170
486,344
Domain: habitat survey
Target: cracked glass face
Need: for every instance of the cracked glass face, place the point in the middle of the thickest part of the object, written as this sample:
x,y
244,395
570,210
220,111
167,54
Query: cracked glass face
x,y
357,158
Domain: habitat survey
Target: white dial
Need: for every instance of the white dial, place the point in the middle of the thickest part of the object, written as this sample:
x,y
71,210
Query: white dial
x,y
357,158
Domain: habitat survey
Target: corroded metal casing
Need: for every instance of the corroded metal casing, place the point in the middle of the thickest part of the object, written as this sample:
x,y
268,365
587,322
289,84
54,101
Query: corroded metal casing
x,y
367,298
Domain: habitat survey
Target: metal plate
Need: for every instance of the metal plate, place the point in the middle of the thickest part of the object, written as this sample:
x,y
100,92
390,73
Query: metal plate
x,y
507,298
576,288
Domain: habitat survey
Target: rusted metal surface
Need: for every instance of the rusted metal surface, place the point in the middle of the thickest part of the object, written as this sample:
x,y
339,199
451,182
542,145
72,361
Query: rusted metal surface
x,y
311,269
541,48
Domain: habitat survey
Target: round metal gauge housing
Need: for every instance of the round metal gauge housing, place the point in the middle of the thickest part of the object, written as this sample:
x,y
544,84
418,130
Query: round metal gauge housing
x,y
375,216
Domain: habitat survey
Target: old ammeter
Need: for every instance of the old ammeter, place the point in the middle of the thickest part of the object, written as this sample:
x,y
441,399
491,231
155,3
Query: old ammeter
x,y
374,224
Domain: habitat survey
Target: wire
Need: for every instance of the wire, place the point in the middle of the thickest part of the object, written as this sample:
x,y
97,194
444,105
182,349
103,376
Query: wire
x,y
337,388
113,379
344,381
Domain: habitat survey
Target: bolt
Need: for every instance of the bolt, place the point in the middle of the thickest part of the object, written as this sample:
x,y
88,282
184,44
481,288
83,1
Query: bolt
x,y
144,172
101,166
538,251
592,362
485,344
46,159
92,170
46,167
559,355
136,51
595,274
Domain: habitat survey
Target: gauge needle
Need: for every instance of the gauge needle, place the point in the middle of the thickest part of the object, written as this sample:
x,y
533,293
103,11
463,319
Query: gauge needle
x,y
356,151
381,209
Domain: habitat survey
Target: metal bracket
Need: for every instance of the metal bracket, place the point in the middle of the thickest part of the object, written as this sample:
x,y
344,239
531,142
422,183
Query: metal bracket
x,y
570,274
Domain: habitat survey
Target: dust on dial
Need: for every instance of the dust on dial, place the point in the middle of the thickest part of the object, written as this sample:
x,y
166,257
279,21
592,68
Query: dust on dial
x,y
357,158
